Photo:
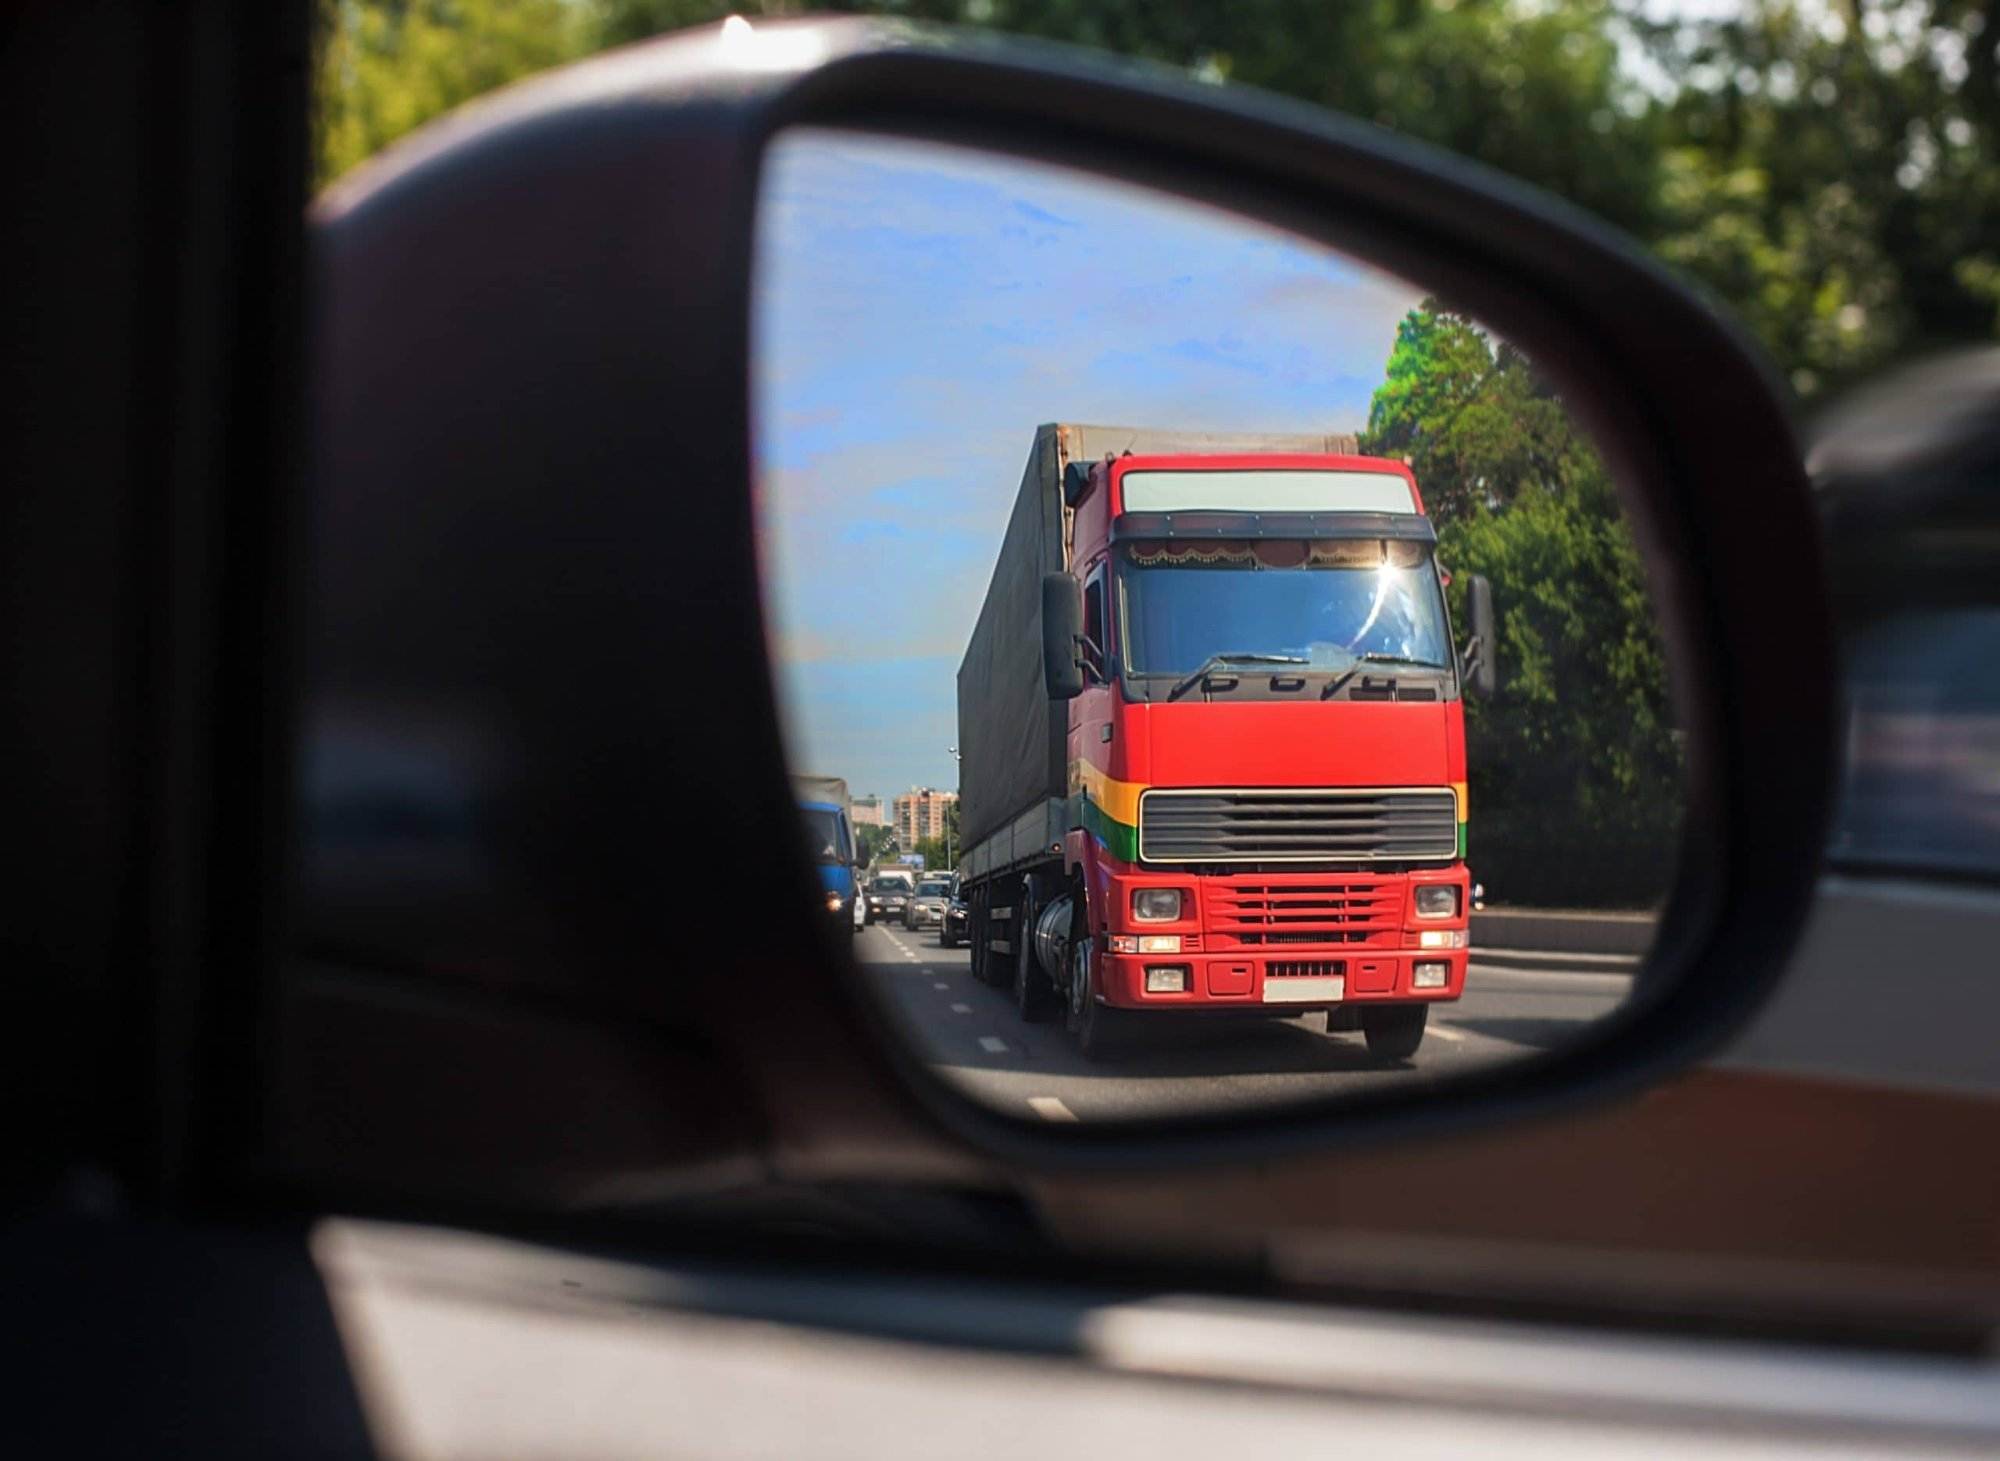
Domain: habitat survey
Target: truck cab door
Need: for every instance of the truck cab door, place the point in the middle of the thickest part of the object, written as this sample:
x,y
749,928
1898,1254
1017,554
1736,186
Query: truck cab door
x,y
1090,719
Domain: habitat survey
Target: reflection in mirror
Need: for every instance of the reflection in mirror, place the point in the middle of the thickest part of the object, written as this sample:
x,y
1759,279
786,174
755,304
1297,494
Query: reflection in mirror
x,y
1230,663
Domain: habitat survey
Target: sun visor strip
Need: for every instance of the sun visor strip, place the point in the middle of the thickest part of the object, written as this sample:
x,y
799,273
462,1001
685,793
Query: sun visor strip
x,y
1404,527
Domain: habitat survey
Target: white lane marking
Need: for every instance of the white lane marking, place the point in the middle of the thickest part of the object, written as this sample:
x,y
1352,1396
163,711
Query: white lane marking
x,y
1445,1032
1051,1108
992,1044
940,985
959,1009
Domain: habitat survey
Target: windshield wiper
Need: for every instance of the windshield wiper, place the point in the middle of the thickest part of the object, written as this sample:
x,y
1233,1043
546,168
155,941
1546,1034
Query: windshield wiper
x,y
1221,661
1376,657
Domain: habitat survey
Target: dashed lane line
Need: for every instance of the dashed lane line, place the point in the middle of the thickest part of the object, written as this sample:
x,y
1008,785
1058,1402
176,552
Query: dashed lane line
x,y
1051,1108
940,985
959,1009
992,1044
1445,1032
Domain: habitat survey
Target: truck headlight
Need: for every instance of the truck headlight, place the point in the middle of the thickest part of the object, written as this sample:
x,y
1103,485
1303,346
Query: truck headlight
x,y
1441,938
1437,900
1167,979
1430,976
833,902
1159,943
1156,905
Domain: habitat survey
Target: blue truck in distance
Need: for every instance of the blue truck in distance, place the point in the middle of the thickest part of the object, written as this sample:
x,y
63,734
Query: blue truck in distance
x,y
830,843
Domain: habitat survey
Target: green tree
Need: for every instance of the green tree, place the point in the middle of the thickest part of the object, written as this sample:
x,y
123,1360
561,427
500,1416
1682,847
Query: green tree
x,y
874,842
1833,173
1475,424
1576,793
386,67
1575,790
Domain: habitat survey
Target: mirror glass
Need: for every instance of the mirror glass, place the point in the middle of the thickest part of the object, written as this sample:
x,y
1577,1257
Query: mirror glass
x,y
1218,671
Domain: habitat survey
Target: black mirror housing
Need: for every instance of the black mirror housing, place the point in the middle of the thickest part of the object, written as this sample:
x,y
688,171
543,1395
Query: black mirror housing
x,y
1482,648
1062,630
502,259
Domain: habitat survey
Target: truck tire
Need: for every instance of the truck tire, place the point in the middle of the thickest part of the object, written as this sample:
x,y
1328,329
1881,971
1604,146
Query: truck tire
x,y
1033,998
1394,1031
1098,1029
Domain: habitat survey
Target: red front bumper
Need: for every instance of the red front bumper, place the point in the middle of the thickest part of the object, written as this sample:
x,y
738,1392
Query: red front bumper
x,y
1294,981
1277,940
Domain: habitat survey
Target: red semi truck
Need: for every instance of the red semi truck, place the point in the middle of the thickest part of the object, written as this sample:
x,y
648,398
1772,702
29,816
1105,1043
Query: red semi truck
x,y
1212,740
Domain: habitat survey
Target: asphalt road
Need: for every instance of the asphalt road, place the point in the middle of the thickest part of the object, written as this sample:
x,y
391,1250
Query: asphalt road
x,y
970,1034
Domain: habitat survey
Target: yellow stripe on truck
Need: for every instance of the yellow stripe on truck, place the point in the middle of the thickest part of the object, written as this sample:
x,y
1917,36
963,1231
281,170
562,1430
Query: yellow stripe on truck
x,y
1118,800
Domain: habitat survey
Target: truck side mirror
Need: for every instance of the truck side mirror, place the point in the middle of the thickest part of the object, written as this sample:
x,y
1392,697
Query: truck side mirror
x,y
1062,623
1480,656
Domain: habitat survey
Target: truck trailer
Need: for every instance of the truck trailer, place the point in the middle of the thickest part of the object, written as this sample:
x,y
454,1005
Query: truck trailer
x,y
1212,738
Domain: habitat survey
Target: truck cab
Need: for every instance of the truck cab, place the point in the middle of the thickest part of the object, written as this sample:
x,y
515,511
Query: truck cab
x,y
1265,739
830,844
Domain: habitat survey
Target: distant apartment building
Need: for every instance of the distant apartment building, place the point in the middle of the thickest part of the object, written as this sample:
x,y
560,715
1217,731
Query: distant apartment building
x,y
919,813
867,811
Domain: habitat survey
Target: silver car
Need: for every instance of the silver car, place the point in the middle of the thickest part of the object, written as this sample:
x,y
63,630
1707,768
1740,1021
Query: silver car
x,y
926,909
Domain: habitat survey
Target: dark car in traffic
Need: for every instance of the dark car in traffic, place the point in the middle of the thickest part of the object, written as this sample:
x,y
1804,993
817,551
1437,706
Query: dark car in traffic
x,y
951,933
887,898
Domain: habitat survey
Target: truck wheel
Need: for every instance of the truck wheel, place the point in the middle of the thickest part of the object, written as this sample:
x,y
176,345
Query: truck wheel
x,y
1097,1028
1394,1031
1032,995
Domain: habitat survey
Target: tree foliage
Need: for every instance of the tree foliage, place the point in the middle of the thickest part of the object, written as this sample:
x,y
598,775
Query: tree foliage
x,y
1576,790
1833,172
388,66
874,841
1474,423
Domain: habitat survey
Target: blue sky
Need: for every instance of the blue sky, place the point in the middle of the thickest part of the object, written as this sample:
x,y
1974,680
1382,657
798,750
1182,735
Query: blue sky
x,y
920,310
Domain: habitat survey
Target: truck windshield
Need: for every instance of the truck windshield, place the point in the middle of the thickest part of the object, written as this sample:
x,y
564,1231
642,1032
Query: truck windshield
x,y
1323,604
823,839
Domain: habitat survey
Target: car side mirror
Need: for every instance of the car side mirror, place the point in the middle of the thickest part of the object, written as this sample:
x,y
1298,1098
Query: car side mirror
x,y
1062,628
445,378
1480,658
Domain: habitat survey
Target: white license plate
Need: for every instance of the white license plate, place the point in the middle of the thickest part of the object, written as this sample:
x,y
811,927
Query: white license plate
x,y
1305,991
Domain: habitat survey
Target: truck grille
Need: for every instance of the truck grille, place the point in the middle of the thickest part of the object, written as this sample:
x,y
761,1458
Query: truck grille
x,y
1296,909
1357,825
